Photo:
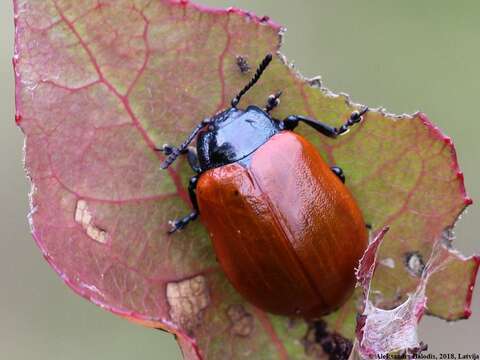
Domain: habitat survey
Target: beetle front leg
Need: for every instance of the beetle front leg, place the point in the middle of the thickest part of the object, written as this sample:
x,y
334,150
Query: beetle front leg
x,y
192,159
182,222
292,121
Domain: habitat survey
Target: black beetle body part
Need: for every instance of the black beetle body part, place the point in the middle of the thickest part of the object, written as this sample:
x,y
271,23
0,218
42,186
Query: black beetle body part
x,y
339,172
292,121
261,68
272,102
233,135
181,223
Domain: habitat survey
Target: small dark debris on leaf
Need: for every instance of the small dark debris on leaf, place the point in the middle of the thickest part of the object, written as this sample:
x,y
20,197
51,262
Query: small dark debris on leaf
x,y
419,349
414,263
414,352
242,63
320,343
292,322
315,82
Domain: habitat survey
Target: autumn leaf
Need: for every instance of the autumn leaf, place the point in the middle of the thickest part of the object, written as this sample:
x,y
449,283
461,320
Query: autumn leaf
x,y
101,84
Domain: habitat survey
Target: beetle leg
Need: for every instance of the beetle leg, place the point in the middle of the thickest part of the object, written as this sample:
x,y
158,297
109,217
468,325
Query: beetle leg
x,y
182,222
292,121
272,102
166,149
339,172
355,118
192,159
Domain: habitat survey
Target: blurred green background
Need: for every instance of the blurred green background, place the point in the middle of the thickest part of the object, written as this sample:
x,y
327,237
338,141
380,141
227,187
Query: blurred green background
x,y
402,55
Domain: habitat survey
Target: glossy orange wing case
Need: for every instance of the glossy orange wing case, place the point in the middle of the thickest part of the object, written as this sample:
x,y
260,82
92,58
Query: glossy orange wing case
x,y
287,232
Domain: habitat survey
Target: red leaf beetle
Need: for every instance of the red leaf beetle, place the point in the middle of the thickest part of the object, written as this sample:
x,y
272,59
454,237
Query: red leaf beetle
x,y
286,231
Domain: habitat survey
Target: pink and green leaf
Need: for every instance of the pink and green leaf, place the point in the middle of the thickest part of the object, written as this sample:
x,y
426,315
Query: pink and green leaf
x,y
101,84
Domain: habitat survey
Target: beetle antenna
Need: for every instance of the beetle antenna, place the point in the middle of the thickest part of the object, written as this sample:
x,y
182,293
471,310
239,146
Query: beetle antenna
x,y
261,68
177,151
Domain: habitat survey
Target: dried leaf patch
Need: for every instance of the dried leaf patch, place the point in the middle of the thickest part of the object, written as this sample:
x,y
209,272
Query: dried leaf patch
x,y
187,299
84,218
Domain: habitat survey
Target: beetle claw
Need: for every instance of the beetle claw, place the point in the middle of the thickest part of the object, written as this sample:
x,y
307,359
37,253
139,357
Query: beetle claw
x,y
356,116
174,226
166,149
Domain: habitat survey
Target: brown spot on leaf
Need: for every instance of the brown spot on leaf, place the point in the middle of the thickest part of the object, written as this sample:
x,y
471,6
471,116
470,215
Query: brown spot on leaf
x,y
321,344
187,299
242,321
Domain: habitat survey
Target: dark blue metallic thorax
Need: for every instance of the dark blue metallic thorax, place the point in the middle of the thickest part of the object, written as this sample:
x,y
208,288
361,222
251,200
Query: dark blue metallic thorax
x,y
233,135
